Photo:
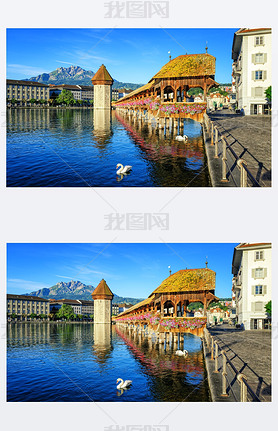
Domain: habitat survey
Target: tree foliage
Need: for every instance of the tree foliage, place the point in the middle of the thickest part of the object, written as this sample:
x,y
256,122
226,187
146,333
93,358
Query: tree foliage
x,y
268,93
66,312
268,308
65,97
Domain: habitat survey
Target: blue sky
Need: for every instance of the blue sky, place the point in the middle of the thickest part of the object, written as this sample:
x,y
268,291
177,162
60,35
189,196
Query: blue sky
x,y
130,55
133,270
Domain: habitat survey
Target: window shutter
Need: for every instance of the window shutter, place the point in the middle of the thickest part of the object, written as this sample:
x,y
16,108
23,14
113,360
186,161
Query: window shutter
x,y
255,41
254,58
264,290
253,75
265,58
253,273
252,306
264,74
265,272
252,91
253,290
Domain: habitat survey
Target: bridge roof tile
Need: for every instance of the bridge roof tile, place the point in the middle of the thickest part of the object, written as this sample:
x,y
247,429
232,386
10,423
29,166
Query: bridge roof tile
x,y
188,280
188,65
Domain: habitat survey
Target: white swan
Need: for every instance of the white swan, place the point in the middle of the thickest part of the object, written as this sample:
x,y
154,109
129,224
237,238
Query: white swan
x,y
123,170
182,352
123,384
182,138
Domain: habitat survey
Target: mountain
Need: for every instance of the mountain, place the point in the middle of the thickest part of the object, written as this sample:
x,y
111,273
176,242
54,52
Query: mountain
x,y
75,290
75,75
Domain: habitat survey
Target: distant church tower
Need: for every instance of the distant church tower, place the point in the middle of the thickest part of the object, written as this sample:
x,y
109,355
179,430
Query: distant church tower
x,y
102,82
102,297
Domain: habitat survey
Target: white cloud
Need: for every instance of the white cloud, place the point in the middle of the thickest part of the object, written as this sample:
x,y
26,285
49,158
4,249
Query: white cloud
x,y
25,70
20,285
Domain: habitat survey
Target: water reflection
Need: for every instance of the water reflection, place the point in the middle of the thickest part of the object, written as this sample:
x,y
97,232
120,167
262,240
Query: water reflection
x,y
81,148
102,342
81,362
102,128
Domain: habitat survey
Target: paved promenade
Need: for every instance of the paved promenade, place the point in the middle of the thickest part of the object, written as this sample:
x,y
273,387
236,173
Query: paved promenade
x,y
250,137
250,353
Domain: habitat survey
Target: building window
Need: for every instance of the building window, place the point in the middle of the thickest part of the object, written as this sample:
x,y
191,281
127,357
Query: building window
x,y
259,40
258,75
259,272
259,255
258,290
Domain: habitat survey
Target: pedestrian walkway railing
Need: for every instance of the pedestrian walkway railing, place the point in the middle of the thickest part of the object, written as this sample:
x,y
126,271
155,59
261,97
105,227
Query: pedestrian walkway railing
x,y
218,138
216,354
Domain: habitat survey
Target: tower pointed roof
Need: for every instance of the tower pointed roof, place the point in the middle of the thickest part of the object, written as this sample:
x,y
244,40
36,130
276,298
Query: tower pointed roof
x,y
102,291
102,76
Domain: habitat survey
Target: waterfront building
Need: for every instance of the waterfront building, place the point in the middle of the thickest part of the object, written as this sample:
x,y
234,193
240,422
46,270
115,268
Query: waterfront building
x,y
176,292
21,90
251,269
102,82
217,315
24,305
115,94
216,100
251,53
87,307
102,297
56,304
79,92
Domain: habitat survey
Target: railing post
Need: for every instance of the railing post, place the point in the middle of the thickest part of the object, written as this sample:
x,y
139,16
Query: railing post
x,y
243,173
211,139
216,143
224,159
243,388
212,348
216,358
224,374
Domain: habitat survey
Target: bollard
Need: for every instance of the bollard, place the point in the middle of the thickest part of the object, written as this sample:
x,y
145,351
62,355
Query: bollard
x,y
216,358
243,174
243,388
224,159
216,144
224,375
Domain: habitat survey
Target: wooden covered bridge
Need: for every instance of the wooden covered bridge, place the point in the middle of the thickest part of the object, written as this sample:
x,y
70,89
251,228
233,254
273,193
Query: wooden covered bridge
x,y
165,95
165,310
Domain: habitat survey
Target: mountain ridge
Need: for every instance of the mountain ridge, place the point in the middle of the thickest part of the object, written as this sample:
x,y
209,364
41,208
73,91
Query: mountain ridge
x,y
75,290
75,75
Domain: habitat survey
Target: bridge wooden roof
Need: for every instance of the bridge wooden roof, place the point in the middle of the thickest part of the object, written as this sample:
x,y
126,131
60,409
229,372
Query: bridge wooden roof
x,y
188,280
188,65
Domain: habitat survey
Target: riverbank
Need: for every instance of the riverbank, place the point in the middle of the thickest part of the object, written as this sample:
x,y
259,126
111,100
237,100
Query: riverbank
x,y
249,352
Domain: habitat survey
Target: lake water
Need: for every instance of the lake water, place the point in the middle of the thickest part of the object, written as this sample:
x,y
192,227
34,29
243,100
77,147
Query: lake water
x,y
77,148
80,363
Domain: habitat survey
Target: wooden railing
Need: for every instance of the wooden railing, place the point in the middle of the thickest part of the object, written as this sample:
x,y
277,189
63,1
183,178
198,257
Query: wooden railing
x,y
216,354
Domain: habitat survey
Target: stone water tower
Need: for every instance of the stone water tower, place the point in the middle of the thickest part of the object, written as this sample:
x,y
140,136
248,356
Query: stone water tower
x,y
102,82
102,297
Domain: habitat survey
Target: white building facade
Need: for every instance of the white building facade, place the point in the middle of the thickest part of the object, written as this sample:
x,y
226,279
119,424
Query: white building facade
x,y
251,269
251,53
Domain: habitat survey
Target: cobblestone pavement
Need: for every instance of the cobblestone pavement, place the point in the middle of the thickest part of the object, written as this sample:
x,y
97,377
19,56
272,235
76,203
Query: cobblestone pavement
x,y
250,353
254,135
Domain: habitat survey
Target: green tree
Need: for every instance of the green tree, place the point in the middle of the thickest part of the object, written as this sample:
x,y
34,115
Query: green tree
x,y
268,308
13,101
65,97
91,316
33,315
32,101
268,93
66,312
13,316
